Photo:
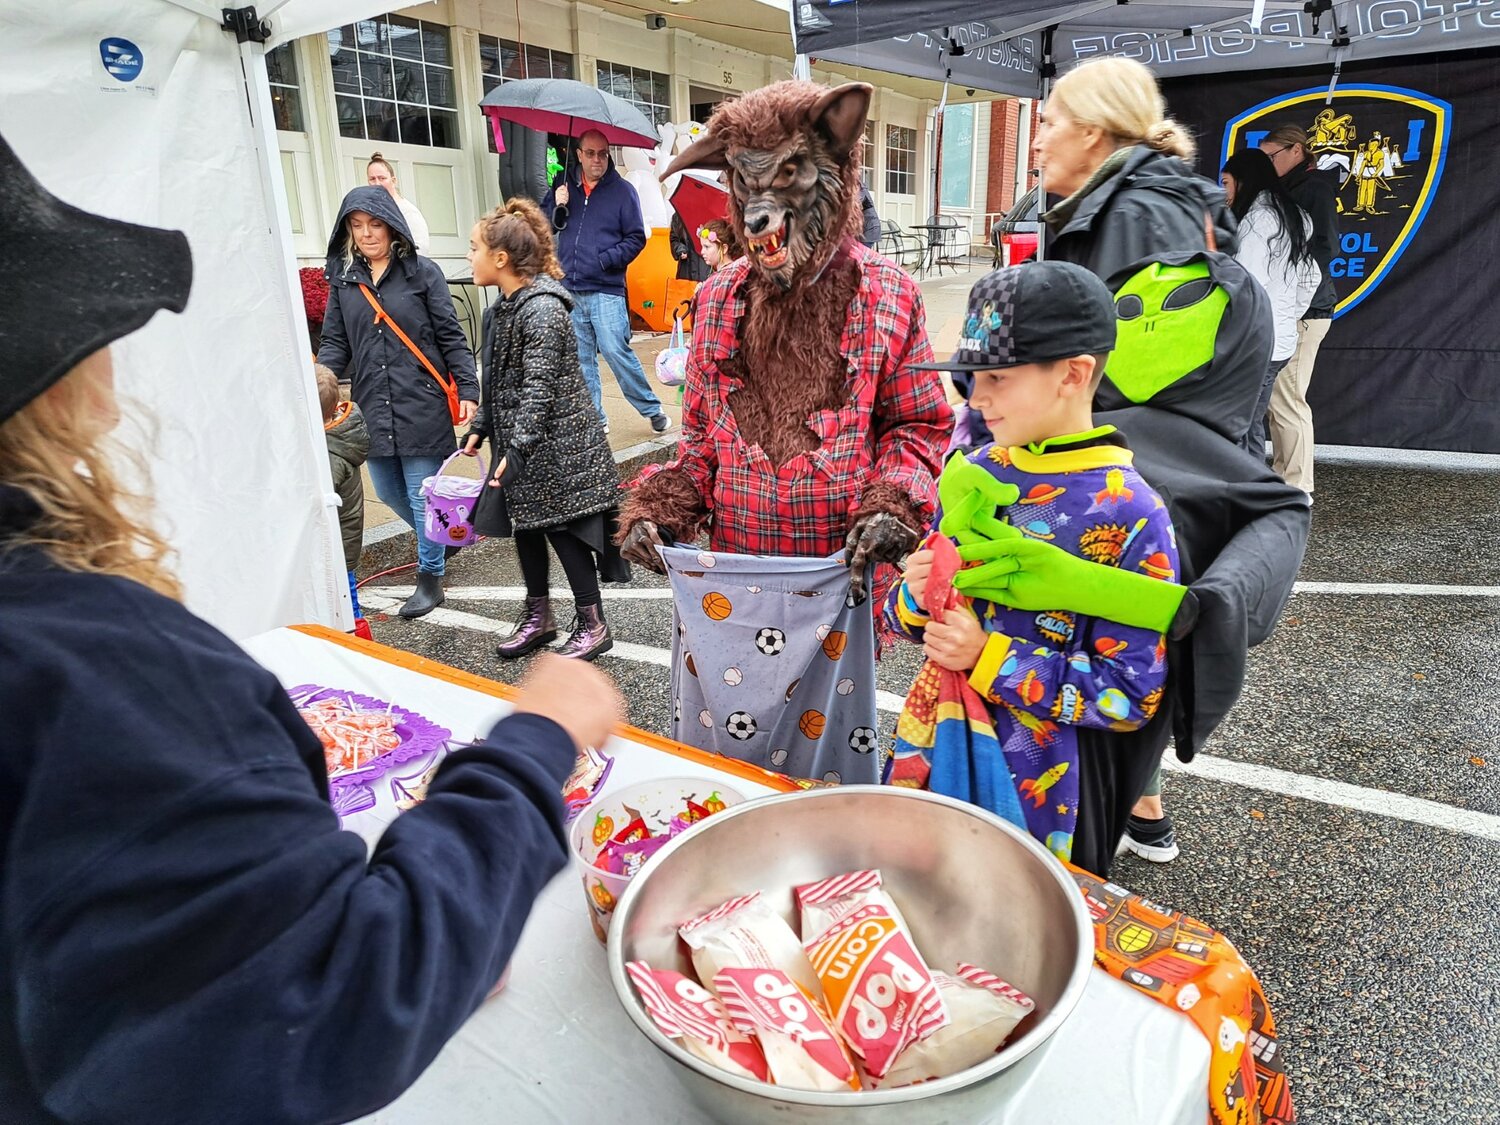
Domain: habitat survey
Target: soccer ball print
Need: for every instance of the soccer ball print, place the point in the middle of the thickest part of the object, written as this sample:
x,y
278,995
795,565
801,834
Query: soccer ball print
x,y
740,726
863,740
771,642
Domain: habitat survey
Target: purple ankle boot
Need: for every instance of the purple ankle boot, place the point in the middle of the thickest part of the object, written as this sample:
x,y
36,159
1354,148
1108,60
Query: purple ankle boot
x,y
535,630
590,634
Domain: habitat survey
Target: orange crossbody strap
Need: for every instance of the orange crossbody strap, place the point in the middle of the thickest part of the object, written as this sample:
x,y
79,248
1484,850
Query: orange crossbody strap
x,y
448,384
1208,235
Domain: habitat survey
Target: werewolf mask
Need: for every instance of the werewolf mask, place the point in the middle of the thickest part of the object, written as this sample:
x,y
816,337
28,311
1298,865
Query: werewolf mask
x,y
791,154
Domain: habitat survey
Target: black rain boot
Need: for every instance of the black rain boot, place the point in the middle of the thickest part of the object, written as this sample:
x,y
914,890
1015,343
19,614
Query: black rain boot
x,y
426,597
535,629
590,634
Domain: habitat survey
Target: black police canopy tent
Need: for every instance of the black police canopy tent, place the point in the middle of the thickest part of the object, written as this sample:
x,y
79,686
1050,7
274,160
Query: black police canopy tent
x,y
1402,134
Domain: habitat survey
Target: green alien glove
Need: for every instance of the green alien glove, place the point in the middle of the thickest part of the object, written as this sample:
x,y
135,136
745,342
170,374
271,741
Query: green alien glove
x,y
971,498
1026,573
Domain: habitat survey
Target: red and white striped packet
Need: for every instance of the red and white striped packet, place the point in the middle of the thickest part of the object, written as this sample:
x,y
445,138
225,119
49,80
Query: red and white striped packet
x,y
882,994
802,1048
684,1010
984,1010
745,933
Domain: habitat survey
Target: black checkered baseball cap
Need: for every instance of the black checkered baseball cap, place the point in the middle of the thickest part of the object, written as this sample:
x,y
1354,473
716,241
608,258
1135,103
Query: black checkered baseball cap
x,y
1032,313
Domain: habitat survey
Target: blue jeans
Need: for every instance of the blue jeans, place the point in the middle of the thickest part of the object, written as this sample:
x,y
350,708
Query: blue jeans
x,y
398,483
601,322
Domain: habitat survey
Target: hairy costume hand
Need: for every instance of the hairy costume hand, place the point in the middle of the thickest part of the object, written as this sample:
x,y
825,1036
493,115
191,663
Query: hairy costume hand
x,y
876,538
1026,573
640,543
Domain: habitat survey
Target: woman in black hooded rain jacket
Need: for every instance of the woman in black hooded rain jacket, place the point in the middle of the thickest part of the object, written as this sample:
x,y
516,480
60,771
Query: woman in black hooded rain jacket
x,y
370,258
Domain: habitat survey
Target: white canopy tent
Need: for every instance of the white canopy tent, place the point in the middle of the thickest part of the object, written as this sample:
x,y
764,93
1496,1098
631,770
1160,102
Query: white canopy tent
x,y
155,112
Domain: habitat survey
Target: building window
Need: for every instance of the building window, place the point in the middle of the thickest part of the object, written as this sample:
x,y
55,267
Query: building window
x,y
286,98
393,81
900,160
867,157
958,156
502,61
648,91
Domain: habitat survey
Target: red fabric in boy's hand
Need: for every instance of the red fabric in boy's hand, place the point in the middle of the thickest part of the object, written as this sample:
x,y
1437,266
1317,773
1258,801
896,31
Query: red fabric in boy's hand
x,y
940,594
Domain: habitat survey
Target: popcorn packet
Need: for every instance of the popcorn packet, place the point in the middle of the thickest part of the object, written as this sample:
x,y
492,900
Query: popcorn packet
x,y
745,933
802,1049
983,1010
882,994
683,1009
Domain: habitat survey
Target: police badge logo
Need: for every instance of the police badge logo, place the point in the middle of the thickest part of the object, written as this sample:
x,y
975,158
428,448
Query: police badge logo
x,y
1382,150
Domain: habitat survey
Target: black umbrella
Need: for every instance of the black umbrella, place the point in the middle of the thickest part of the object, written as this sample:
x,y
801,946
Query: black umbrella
x,y
561,105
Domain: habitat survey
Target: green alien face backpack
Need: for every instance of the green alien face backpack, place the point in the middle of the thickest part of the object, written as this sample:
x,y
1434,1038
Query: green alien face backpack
x,y
1168,320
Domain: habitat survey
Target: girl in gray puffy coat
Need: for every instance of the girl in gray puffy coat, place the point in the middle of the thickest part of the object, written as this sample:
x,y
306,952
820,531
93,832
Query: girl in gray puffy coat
x,y
553,478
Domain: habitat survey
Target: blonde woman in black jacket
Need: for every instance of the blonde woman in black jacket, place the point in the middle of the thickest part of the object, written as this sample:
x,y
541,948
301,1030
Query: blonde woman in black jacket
x,y
553,478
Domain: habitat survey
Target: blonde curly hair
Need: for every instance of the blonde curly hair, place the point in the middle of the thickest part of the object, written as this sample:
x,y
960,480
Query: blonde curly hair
x,y
57,451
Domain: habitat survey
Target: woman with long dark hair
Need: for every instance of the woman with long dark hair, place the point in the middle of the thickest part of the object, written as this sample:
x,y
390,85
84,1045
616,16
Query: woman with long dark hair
x,y
1276,249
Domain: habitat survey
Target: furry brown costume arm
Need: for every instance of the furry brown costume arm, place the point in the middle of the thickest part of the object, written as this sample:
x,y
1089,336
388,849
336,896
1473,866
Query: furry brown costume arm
x,y
669,503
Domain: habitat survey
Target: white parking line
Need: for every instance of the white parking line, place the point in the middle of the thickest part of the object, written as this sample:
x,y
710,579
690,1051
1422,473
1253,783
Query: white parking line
x,y
1266,778
664,593
516,593
1340,794
1397,589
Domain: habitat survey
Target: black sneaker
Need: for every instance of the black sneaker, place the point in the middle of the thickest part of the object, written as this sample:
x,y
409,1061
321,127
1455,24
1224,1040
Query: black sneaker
x,y
661,423
1152,840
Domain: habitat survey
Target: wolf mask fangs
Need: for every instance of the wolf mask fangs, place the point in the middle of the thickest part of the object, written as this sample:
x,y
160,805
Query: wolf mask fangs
x,y
791,152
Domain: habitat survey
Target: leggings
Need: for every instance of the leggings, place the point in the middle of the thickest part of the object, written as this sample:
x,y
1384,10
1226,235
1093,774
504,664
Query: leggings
x,y
576,558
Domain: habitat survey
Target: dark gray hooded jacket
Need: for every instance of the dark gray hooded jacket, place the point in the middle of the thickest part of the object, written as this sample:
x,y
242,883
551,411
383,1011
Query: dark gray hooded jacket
x,y
1241,529
405,409
1153,204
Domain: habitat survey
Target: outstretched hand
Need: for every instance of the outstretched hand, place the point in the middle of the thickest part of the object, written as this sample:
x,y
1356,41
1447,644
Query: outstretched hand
x,y
575,695
877,538
640,543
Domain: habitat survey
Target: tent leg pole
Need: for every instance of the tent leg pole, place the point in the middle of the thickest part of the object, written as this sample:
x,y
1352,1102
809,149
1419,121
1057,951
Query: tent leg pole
x,y
1047,72
333,603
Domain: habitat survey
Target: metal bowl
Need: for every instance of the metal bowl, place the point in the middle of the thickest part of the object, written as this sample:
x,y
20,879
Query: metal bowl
x,y
972,887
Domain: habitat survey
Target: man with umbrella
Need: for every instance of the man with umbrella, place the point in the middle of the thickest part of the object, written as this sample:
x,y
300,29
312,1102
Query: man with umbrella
x,y
600,232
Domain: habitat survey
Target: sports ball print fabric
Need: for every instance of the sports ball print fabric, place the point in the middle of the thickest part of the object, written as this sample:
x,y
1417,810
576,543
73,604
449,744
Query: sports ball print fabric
x,y
772,665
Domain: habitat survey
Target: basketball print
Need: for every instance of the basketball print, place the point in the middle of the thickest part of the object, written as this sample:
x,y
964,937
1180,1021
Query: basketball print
x,y
771,642
740,725
732,677
716,607
811,724
791,688
862,740
835,643
691,667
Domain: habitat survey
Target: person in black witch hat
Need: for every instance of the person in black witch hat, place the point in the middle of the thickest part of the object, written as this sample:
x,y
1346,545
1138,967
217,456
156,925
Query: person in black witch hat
x,y
185,933
397,365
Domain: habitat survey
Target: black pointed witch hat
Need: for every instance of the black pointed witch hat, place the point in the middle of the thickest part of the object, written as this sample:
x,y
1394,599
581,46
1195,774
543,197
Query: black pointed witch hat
x,y
73,282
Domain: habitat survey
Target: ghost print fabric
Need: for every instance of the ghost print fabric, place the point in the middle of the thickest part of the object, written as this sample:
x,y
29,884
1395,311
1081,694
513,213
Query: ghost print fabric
x,y
772,665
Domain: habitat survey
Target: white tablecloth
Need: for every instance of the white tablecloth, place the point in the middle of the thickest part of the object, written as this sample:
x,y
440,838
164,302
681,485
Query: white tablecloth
x,y
555,1045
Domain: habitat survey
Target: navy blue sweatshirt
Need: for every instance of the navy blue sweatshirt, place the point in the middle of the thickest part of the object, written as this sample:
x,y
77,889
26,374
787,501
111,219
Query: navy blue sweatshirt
x,y
605,233
185,933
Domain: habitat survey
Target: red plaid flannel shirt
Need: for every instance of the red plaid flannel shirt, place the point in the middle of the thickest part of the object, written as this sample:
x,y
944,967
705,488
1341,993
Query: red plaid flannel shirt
x,y
893,428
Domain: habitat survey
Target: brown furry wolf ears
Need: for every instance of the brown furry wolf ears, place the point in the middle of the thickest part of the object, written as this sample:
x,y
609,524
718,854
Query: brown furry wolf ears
x,y
839,115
